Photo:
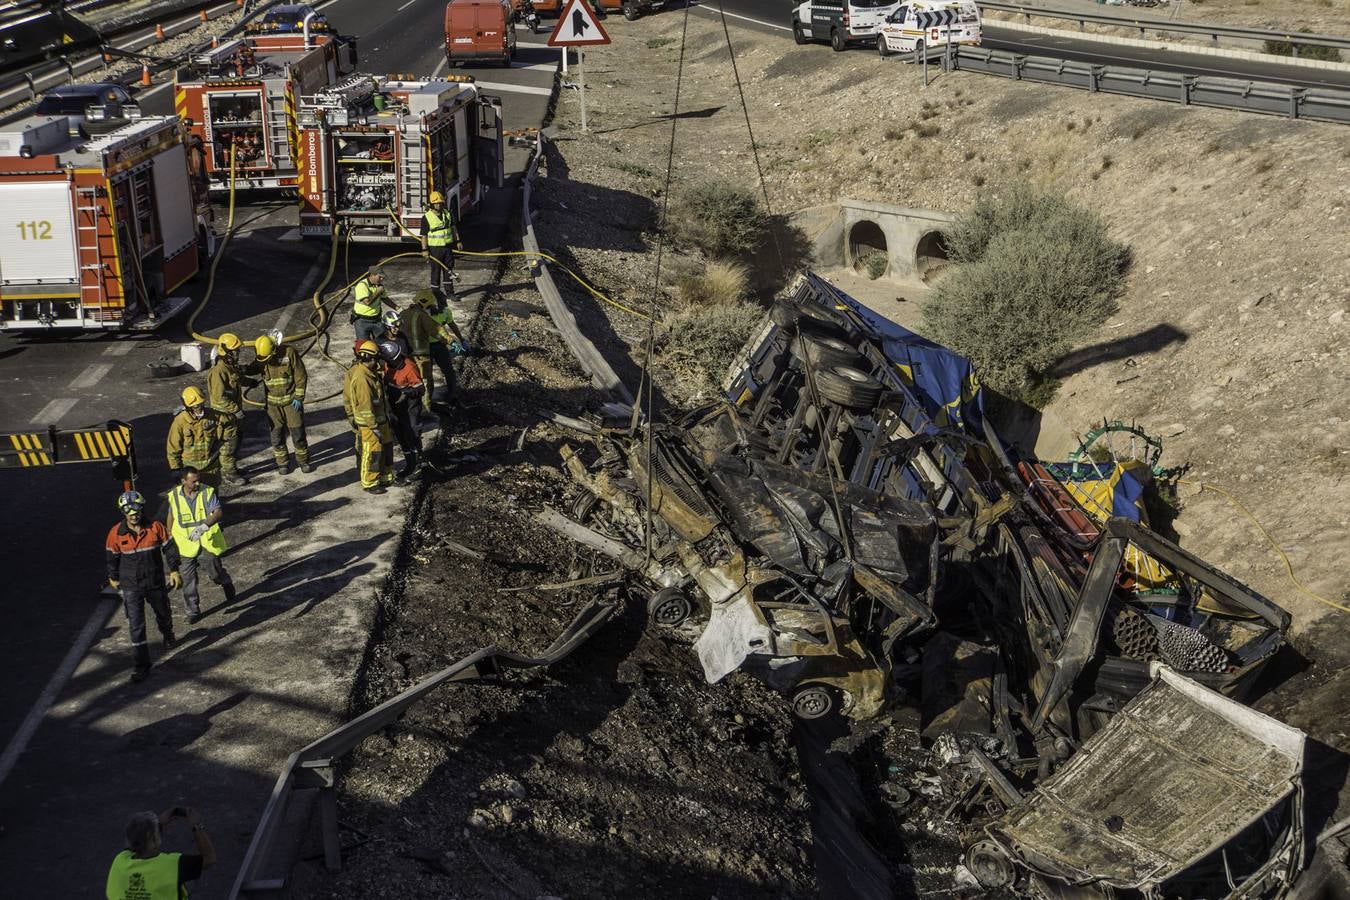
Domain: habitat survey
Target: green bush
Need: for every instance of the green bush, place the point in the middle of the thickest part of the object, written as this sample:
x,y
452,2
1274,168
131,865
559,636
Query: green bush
x,y
1032,274
701,341
720,218
874,263
1305,51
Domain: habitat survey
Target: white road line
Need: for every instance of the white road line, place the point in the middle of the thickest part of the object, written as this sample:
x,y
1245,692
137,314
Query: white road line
x,y
745,18
440,67
90,376
514,88
77,650
536,46
52,412
121,348
405,6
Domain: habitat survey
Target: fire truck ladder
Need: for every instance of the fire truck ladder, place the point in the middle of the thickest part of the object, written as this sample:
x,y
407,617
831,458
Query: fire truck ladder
x,y
412,172
86,241
278,125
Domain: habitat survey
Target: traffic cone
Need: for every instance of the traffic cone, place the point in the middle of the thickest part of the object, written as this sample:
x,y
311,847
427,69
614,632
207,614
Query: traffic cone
x,y
106,59
215,41
159,32
202,15
145,75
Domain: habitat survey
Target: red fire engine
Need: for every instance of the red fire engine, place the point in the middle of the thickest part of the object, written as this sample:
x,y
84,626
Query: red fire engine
x,y
372,149
240,98
95,233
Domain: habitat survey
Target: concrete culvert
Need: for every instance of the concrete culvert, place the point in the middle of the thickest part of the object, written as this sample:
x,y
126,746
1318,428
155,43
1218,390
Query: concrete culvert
x,y
930,256
867,249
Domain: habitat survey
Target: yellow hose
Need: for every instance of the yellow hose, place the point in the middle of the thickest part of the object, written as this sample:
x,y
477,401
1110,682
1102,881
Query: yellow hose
x,y
1279,551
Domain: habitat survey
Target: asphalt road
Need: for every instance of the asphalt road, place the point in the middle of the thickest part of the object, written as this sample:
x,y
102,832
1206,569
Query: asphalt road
x,y
52,556
777,16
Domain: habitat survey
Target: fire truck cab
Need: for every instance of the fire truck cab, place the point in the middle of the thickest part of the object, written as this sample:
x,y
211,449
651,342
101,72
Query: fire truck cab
x,y
373,149
96,233
240,98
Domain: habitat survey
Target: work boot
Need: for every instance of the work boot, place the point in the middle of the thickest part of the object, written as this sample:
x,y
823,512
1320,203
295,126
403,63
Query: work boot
x,y
170,641
409,467
234,476
307,467
193,618
139,675
375,490
285,467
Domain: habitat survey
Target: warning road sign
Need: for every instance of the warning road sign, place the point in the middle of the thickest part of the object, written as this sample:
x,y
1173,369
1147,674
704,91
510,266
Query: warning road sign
x,y
578,27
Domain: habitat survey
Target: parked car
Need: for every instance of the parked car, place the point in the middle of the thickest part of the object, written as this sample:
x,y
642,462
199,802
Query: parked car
x,y
479,31
929,23
841,22
83,103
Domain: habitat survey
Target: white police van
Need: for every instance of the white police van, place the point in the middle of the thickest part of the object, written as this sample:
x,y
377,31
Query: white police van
x,y
929,23
841,22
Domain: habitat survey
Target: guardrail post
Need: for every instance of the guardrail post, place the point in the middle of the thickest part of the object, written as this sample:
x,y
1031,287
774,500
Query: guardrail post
x,y
1293,50
1295,98
32,90
319,773
1187,83
1094,72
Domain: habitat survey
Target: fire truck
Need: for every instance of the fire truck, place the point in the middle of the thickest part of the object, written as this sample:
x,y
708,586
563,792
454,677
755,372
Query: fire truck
x,y
373,149
97,232
239,98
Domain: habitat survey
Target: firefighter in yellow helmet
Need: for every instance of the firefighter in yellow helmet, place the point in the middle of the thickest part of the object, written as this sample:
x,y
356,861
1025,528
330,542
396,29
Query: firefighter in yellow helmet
x,y
284,378
367,407
439,241
225,392
195,437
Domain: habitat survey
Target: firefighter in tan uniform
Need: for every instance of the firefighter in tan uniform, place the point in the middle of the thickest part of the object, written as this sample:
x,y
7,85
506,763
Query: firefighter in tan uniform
x,y
195,438
425,334
367,408
225,391
284,378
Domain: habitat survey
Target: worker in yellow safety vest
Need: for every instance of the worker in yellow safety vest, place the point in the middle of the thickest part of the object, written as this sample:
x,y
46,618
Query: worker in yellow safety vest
x,y
144,872
439,242
367,407
427,336
194,523
195,437
368,295
283,374
225,390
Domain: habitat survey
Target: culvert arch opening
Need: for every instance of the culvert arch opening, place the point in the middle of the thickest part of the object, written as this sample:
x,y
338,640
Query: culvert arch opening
x,y
867,249
931,256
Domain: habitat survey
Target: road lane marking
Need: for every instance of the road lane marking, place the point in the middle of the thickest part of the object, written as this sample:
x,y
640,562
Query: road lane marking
x,y
47,698
440,67
745,18
52,412
121,348
91,376
405,6
514,88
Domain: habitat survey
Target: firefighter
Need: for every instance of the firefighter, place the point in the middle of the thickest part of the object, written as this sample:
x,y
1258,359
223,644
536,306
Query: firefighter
x,y
439,241
138,553
195,437
225,389
283,374
429,339
368,297
194,522
367,407
404,387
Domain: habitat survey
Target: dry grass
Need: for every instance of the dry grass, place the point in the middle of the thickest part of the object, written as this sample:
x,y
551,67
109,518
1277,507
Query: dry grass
x,y
719,284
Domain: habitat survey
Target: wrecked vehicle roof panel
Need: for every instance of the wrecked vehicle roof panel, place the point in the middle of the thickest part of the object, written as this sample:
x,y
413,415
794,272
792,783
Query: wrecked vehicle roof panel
x,y
1177,773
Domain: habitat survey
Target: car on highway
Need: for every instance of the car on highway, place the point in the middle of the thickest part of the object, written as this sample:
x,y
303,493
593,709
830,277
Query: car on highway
x,y
841,22
929,23
84,103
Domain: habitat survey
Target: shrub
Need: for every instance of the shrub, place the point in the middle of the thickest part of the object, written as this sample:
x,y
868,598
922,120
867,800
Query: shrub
x,y
874,263
702,340
1032,274
1305,51
657,43
719,284
721,219
926,131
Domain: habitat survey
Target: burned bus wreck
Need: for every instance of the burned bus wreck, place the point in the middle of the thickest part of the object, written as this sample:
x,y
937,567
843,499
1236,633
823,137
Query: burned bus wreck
x,y
847,526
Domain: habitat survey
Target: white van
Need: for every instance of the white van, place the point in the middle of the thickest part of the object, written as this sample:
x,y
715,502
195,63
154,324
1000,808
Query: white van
x,y
841,22
929,23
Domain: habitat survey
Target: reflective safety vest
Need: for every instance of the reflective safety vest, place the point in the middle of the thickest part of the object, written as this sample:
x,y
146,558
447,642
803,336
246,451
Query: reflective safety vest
x,y
440,230
367,300
155,878
443,316
187,515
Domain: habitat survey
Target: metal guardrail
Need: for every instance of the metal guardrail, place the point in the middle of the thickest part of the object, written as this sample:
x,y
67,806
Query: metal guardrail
x,y
316,765
1214,31
1323,105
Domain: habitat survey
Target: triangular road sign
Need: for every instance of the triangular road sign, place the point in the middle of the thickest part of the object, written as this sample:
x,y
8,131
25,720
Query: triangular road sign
x,y
578,27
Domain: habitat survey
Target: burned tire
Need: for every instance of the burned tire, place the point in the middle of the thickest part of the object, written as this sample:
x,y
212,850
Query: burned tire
x,y
824,351
669,608
848,387
813,701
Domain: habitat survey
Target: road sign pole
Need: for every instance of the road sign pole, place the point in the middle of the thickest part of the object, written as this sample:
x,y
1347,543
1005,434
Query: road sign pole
x,y
581,78
564,50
